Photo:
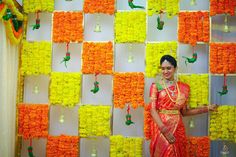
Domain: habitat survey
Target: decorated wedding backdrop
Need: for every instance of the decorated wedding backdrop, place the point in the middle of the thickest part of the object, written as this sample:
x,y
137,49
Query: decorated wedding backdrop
x,y
86,68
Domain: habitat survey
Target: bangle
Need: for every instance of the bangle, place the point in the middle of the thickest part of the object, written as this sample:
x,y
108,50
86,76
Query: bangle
x,y
163,129
203,110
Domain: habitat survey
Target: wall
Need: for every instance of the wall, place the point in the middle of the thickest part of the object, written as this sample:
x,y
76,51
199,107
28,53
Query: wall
x,y
104,96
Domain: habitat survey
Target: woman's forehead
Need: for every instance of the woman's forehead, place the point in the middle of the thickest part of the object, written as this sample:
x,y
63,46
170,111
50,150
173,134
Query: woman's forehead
x,y
166,64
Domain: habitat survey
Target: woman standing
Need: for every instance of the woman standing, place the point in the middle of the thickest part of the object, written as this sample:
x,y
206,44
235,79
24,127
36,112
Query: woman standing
x,y
168,105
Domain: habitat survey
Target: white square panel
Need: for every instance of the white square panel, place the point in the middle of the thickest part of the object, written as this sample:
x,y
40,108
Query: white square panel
x,y
169,31
133,130
106,23
218,33
59,52
200,66
123,5
44,32
198,5
36,89
39,147
122,53
70,124
101,146
69,5
216,85
103,96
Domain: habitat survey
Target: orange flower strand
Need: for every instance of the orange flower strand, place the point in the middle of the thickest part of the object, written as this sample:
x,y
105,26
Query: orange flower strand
x,y
66,146
199,146
99,6
223,58
33,120
97,58
68,27
193,27
128,88
222,7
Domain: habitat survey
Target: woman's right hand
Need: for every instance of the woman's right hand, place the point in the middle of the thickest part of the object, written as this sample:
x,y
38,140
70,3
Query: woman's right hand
x,y
167,134
170,137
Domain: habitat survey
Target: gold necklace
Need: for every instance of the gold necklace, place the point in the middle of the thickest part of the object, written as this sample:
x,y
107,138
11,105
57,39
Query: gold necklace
x,y
169,93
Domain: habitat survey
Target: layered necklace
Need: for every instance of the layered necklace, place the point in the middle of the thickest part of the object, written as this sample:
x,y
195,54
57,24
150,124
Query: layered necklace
x,y
168,91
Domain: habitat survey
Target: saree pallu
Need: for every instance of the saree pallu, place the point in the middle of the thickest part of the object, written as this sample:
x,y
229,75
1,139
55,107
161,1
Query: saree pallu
x,y
159,146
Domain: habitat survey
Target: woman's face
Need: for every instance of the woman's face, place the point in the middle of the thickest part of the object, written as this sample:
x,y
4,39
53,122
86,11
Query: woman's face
x,y
168,70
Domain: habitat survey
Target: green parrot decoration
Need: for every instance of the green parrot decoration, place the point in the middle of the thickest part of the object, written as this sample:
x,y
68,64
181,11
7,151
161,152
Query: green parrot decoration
x,y
96,87
30,151
132,6
160,24
224,90
66,58
36,25
8,15
15,23
190,60
128,120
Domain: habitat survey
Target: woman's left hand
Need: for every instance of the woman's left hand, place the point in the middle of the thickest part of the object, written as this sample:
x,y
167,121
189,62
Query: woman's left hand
x,y
212,107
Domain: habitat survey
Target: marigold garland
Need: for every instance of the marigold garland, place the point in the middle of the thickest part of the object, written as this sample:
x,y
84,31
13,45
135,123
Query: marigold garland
x,y
223,123
94,120
130,26
33,120
126,146
199,85
36,58
99,6
65,88
66,146
222,7
170,6
223,58
14,9
3,8
199,146
13,36
147,122
97,58
128,88
154,52
32,6
193,27
68,27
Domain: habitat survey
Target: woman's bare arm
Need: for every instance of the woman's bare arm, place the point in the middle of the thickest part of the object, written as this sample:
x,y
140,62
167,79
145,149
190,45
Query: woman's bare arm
x,y
200,110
